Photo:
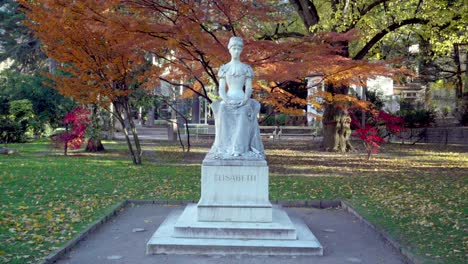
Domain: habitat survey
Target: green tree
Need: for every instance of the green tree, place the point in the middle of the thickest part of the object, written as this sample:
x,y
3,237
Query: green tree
x,y
48,105
17,42
16,122
379,22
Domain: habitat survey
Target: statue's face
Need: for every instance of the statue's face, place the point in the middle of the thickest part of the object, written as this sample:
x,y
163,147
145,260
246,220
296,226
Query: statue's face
x,y
235,51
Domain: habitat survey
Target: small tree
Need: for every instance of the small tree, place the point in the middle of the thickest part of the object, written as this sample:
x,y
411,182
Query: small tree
x,y
379,125
75,123
370,138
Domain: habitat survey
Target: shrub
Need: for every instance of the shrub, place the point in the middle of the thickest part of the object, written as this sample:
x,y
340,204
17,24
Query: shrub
x,y
275,120
15,122
462,114
417,117
371,135
76,123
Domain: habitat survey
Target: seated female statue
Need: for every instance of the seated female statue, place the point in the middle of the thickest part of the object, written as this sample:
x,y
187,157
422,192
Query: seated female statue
x,y
237,132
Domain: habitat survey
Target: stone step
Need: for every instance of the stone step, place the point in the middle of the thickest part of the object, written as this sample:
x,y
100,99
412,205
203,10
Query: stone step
x,y
163,242
281,227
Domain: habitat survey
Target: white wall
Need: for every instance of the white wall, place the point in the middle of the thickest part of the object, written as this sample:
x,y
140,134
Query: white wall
x,y
381,84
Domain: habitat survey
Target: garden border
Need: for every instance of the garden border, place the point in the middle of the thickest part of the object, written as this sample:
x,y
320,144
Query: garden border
x,y
321,204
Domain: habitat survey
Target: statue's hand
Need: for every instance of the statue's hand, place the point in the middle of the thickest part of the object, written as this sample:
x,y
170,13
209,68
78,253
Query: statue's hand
x,y
233,103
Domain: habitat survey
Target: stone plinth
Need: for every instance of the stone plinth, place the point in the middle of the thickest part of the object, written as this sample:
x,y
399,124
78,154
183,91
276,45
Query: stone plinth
x,y
164,240
234,216
187,226
234,191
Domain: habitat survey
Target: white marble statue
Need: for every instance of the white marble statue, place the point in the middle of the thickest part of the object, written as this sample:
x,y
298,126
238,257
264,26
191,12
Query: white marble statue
x,y
237,131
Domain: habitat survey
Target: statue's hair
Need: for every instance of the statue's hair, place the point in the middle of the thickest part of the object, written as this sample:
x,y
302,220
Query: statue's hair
x,y
235,41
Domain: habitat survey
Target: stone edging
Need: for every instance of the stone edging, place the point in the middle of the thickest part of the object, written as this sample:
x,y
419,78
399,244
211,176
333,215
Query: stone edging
x,y
321,204
54,256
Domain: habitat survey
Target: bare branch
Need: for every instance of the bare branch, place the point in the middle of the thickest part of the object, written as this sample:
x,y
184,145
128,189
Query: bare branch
x,y
360,55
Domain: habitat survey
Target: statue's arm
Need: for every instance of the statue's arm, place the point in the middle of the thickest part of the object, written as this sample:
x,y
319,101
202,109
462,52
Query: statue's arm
x,y
222,89
248,90
248,85
222,83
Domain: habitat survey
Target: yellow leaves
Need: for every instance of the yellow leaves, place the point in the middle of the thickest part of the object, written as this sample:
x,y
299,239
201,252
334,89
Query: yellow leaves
x,y
340,100
49,215
38,239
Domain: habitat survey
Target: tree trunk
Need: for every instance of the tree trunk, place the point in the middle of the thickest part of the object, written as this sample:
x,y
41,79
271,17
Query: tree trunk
x,y
459,82
65,147
94,145
336,130
138,152
126,123
111,122
136,140
336,124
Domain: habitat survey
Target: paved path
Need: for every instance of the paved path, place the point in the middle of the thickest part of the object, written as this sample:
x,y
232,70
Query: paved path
x,y
344,237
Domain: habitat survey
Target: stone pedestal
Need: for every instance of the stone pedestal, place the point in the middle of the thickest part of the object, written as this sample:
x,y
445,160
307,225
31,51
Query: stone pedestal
x,y
234,191
234,216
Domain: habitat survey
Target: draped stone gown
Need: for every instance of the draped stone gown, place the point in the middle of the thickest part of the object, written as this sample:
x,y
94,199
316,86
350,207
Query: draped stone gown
x,y
237,131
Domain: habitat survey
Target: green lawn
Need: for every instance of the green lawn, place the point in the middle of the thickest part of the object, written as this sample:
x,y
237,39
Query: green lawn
x,y
417,193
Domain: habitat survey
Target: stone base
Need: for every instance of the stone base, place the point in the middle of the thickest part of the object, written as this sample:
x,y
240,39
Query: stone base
x,y
235,213
188,227
234,191
180,233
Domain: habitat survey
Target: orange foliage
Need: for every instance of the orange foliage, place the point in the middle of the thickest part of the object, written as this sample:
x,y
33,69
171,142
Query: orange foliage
x,y
98,62
100,42
195,34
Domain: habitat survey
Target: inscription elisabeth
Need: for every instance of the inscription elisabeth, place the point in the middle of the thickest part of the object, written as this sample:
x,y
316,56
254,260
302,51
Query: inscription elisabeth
x,y
235,178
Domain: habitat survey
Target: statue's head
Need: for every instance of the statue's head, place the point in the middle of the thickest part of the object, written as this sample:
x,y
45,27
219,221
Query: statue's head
x,y
235,41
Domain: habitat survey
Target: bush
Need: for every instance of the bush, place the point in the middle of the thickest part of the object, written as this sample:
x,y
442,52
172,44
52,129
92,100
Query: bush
x,y
10,131
462,114
275,120
15,122
417,117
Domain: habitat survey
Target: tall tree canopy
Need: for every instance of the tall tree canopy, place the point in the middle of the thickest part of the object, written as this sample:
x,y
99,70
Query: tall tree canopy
x,y
99,63
105,46
17,43
441,23
193,36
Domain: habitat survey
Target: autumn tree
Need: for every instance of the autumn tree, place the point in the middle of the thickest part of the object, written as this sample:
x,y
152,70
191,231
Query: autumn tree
x,y
17,43
101,44
195,35
98,62
76,123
